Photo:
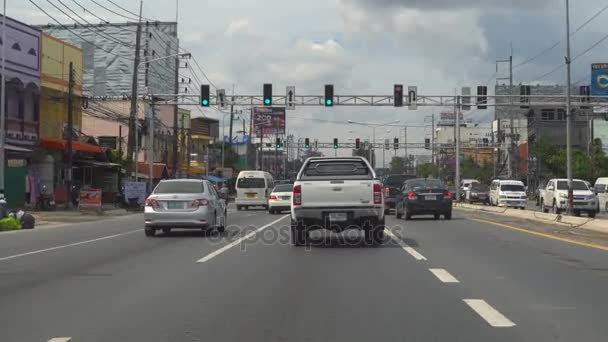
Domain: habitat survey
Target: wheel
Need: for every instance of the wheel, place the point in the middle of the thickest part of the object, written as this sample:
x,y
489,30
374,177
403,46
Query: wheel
x,y
166,230
448,215
387,211
271,211
222,227
577,213
239,208
591,214
555,208
437,216
542,207
150,231
374,232
522,208
398,214
298,233
408,215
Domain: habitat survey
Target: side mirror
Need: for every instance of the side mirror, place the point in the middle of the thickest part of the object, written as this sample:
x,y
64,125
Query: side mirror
x,y
550,188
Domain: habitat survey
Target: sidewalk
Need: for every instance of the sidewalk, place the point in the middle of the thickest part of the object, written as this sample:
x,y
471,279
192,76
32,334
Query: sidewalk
x,y
75,216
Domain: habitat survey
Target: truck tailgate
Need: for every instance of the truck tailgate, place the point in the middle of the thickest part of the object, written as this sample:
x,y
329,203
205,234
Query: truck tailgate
x,y
337,193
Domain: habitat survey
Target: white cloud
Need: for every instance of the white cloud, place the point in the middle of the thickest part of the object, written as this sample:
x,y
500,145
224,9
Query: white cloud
x,y
237,26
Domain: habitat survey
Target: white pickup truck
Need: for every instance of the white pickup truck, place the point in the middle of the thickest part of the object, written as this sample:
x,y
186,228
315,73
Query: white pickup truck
x,y
555,197
337,194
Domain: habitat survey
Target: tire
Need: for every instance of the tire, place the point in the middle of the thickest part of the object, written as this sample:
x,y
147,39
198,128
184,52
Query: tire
x,y
150,232
398,215
166,230
239,208
448,215
271,212
387,211
542,207
556,210
374,232
222,227
577,213
437,216
408,215
299,236
591,214
522,208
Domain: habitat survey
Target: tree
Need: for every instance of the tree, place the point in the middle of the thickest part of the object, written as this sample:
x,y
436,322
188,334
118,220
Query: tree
x,y
427,170
363,151
397,164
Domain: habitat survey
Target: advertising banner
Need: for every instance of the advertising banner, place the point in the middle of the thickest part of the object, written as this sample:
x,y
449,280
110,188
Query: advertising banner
x,y
90,198
269,119
135,190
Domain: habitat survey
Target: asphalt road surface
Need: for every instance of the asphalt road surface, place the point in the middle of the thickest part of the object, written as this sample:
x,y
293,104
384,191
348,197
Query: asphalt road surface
x,y
459,280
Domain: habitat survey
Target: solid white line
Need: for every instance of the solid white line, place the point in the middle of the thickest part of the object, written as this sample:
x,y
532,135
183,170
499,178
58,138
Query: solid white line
x,y
405,247
443,275
60,339
68,245
487,312
238,241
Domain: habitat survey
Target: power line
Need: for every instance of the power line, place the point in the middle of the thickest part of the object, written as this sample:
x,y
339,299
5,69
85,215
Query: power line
x,y
116,13
87,11
126,10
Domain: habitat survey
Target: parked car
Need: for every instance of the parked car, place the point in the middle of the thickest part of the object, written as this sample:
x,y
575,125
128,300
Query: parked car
x,y
392,185
555,197
280,198
479,193
508,193
424,197
465,186
601,191
184,203
337,194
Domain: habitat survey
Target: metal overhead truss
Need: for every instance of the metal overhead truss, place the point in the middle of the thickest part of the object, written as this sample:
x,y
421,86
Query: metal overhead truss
x,y
384,100
379,146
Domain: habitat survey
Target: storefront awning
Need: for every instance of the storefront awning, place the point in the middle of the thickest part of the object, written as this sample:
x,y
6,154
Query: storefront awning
x,y
60,144
97,163
14,148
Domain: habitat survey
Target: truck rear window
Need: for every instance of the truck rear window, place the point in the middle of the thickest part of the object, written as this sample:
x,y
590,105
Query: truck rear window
x,y
251,183
339,169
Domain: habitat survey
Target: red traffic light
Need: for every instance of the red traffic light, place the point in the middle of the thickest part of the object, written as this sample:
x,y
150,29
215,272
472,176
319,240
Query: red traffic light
x,y
357,143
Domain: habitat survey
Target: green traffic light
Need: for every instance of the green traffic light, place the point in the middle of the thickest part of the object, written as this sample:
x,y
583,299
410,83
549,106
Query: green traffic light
x,y
205,102
267,101
306,146
328,102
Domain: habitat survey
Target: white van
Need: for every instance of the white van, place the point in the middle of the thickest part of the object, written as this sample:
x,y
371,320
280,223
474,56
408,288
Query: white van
x,y
600,188
508,193
253,189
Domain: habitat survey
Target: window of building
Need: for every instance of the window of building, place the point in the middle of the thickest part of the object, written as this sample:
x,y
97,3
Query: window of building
x,y
561,114
16,46
548,114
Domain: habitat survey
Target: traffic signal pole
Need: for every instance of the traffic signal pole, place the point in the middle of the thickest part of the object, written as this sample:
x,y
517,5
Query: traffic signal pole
x,y
568,112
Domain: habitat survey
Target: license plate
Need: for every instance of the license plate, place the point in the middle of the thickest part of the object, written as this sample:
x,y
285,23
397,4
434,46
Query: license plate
x,y
337,217
175,205
285,198
430,198
251,195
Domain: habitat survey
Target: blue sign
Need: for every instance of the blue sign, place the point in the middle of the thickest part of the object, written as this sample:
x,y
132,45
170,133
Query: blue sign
x,y
238,139
599,79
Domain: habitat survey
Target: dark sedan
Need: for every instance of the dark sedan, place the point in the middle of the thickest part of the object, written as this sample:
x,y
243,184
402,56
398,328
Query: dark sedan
x,y
479,193
392,185
424,197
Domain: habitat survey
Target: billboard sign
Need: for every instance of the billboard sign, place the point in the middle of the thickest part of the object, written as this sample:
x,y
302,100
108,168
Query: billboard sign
x,y
599,79
269,119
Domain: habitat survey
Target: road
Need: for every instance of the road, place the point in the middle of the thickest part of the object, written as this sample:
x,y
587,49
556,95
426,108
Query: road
x,y
459,280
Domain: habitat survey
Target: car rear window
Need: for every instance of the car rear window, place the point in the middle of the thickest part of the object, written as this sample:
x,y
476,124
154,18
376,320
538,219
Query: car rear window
x,y
480,187
283,188
430,183
180,187
338,169
396,181
251,183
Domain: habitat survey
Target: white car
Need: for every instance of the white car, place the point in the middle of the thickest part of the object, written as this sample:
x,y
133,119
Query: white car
x,y
601,190
337,194
508,193
280,198
252,189
555,197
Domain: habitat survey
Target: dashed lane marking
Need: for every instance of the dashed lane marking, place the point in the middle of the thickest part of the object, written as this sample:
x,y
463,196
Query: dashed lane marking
x,y
68,245
238,241
405,246
489,314
443,275
60,339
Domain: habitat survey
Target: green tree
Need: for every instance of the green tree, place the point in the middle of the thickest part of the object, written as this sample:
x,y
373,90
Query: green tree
x,y
427,170
397,164
363,151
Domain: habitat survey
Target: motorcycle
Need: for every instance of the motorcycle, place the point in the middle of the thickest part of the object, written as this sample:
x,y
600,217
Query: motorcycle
x,y
45,201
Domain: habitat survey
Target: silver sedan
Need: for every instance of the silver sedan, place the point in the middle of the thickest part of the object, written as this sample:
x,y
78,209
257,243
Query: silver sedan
x,y
184,203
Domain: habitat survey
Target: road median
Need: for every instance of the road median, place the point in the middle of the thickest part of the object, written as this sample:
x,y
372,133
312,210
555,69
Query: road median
x,y
595,224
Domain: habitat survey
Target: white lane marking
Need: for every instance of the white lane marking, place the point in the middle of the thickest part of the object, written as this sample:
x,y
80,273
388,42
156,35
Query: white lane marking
x,y
60,339
68,245
487,312
238,241
405,247
443,275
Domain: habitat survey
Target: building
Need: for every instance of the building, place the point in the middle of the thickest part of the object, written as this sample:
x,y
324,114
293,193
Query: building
x,y
107,79
203,133
22,72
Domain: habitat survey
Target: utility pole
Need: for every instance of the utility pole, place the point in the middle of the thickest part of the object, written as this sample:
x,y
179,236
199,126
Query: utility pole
x,y
568,111
250,142
231,117
133,113
119,155
176,89
183,155
457,149
513,143
433,139
69,135
151,145
3,101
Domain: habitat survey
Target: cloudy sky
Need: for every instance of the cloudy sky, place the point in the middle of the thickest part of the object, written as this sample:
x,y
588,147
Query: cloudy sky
x,y
365,46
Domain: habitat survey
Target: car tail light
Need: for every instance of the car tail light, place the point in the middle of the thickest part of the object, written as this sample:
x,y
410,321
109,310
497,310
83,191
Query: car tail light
x,y
273,197
297,195
412,195
203,202
377,194
152,202
387,190
448,194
